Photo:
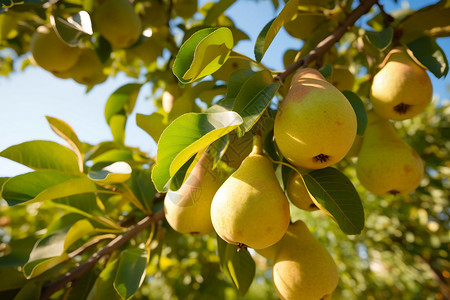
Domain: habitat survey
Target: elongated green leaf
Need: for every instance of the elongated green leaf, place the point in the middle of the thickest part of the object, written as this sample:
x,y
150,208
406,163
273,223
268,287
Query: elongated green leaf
x,y
203,54
216,10
20,252
131,271
429,54
335,194
44,185
37,267
380,39
142,187
153,124
31,291
110,172
269,32
43,155
237,79
11,279
119,105
80,229
63,129
360,111
186,136
73,29
253,98
80,289
114,155
241,268
103,286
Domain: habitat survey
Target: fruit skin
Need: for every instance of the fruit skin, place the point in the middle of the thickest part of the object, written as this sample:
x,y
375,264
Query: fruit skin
x,y
401,89
342,78
250,207
89,69
303,268
50,52
298,194
188,209
315,125
387,164
117,21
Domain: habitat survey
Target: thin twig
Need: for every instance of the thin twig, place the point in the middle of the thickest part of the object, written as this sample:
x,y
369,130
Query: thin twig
x,y
329,41
50,288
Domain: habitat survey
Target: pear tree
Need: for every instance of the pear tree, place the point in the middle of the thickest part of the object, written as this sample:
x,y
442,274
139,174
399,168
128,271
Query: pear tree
x,y
327,178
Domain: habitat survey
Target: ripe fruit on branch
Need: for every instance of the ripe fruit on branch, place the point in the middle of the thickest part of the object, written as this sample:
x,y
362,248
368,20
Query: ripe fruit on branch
x,y
89,69
298,194
117,21
50,52
303,268
188,209
250,208
401,89
342,78
315,125
387,164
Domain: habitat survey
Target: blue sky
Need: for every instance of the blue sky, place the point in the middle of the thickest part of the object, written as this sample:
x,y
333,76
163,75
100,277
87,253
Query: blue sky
x,y
27,97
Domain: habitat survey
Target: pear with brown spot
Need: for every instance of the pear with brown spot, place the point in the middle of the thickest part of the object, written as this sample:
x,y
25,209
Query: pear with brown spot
x,y
315,125
401,89
386,163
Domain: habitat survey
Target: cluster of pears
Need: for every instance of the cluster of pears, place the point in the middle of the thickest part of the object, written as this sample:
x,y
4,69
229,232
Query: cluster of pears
x,y
400,90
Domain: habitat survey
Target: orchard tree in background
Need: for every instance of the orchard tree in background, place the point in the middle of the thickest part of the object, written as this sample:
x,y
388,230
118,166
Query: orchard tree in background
x,y
330,177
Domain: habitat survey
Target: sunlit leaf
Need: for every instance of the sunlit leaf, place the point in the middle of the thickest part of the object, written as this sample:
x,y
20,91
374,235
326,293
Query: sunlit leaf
x,y
103,287
429,54
107,173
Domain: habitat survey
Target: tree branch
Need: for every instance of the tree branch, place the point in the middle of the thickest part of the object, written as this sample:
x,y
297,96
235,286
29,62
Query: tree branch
x,y
50,288
329,41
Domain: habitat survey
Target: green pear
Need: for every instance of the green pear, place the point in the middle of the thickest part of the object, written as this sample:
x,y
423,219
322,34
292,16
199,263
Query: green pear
x,y
342,78
401,89
298,193
188,209
387,164
89,69
117,22
50,52
315,125
303,268
250,208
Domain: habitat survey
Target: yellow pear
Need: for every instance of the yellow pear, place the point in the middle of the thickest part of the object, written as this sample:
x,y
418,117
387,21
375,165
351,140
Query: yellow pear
x,y
315,125
387,164
89,69
342,78
401,89
188,209
50,52
148,51
117,22
304,24
250,208
298,194
303,268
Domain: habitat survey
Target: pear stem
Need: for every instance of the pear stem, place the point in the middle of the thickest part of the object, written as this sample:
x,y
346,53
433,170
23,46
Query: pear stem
x,y
257,145
287,165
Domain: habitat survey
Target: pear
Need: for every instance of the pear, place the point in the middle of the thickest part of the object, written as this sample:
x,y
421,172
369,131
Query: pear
x,y
50,52
401,89
250,208
315,125
304,24
342,78
185,8
118,23
89,69
298,194
188,209
303,268
387,164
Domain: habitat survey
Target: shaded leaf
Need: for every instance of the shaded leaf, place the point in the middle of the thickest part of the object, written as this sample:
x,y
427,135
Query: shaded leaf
x,y
335,194
31,291
131,271
429,54
380,39
73,29
241,268
153,124
216,10
103,286
360,111
11,279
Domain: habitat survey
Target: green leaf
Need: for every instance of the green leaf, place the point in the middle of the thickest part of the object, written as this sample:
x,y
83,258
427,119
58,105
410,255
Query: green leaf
x,y
73,29
326,71
269,31
114,155
186,136
203,54
80,288
11,279
119,105
63,129
20,252
43,155
131,271
380,39
153,124
218,148
105,173
103,286
31,291
360,111
237,79
335,194
216,10
253,99
37,267
429,54
142,187
241,268
44,185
